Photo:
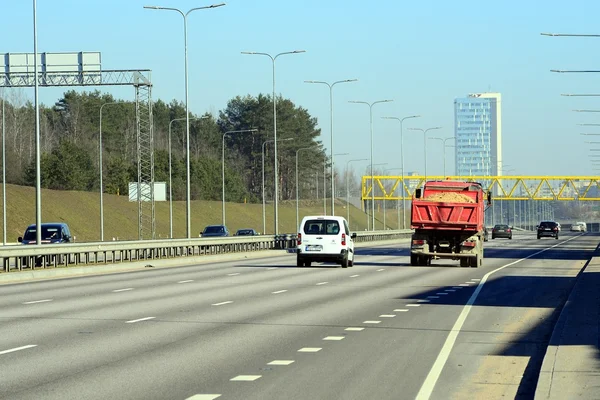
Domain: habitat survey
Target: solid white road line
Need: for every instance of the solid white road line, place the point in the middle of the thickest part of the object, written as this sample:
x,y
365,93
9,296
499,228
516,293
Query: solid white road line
x,y
139,320
37,301
436,370
322,283
204,397
352,329
29,346
279,291
122,290
188,281
223,303
309,349
246,378
281,362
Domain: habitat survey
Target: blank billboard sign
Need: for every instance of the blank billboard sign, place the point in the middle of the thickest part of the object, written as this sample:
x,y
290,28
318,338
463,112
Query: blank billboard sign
x,y
160,191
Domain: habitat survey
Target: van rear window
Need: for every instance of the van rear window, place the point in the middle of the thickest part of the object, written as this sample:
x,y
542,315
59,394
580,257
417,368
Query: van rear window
x,y
321,227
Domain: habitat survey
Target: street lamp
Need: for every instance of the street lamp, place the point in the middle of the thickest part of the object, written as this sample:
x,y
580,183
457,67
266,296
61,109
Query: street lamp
x,y
101,170
444,146
348,186
331,85
297,196
170,175
188,224
384,205
373,228
38,174
275,128
332,179
263,180
223,165
425,143
3,169
371,128
401,120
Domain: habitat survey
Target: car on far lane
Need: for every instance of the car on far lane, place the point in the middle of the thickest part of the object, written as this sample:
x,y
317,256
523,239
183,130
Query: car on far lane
x,y
576,227
246,232
215,231
501,231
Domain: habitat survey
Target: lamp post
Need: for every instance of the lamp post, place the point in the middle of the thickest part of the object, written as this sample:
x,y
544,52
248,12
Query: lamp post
x,y
170,175
401,120
188,224
348,186
332,179
100,168
514,204
376,165
273,58
331,85
223,165
385,171
3,170
297,195
425,143
38,174
263,180
371,128
444,146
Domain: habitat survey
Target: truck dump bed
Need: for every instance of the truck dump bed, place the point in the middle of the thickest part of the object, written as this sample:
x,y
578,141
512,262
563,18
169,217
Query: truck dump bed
x,y
450,206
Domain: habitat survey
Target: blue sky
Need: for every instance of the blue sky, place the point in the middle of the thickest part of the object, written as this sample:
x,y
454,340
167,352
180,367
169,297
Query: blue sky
x,y
422,54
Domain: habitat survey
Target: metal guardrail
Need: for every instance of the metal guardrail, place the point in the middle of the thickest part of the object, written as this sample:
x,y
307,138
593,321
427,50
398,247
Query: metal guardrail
x,y
29,257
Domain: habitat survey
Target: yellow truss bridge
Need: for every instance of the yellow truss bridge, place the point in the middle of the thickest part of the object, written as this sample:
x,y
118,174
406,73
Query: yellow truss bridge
x,y
584,188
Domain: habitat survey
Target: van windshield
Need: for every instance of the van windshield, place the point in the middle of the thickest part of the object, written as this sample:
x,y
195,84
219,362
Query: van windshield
x,y
321,227
48,233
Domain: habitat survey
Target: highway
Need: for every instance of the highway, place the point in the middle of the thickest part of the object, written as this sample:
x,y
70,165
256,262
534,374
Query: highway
x,y
265,329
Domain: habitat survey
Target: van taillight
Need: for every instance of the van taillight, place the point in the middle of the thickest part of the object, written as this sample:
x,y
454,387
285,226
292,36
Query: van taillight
x,y
299,238
343,239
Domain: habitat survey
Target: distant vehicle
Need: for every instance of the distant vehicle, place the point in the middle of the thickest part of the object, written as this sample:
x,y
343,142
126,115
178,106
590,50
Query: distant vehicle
x,y
576,227
246,232
215,231
52,232
547,228
501,231
326,239
583,226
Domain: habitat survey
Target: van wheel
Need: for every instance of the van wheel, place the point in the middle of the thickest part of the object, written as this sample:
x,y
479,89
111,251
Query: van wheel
x,y
345,261
351,262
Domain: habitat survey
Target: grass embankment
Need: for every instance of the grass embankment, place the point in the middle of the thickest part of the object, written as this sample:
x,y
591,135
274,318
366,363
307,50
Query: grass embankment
x,y
81,210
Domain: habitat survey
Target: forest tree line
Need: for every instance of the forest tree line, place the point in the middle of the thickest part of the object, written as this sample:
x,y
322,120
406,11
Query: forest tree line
x,y
69,137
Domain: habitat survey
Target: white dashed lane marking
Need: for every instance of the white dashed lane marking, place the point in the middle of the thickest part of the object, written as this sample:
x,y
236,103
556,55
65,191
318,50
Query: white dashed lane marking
x,y
233,274
122,290
188,281
246,378
464,284
401,310
204,397
450,290
354,276
457,287
222,303
272,268
352,329
133,321
387,316
433,297
309,349
322,283
379,270
279,291
413,305
281,362
29,346
334,338
423,301
442,294
37,301
371,322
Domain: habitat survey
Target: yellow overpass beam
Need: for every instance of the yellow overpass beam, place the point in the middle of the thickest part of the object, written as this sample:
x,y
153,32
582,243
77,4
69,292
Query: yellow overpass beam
x,y
514,187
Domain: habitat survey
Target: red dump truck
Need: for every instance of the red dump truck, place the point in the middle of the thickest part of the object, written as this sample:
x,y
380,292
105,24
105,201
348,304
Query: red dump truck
x,y
448,222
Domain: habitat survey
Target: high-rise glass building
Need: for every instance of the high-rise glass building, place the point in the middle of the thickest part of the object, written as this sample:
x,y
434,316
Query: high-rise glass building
x,y
478,132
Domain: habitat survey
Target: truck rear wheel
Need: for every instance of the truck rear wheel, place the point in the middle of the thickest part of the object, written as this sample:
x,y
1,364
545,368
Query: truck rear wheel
x,y
464,262
414,260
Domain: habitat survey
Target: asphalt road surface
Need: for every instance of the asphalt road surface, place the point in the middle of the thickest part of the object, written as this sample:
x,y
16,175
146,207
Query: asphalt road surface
x,y
265,329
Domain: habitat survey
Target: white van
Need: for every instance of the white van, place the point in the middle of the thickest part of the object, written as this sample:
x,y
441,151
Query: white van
x,y
583,226
326,239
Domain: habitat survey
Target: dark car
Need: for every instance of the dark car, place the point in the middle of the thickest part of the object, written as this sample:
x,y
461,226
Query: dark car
x,y
246,232
501,231
52,232
547,228
215,231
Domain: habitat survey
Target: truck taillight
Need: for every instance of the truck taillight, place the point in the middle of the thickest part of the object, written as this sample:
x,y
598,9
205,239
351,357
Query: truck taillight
x,y
299,238
418,242
343,239
508,230
468,244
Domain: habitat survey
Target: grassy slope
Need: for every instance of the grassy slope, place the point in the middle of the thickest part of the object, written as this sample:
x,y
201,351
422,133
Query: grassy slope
x,y
81,211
